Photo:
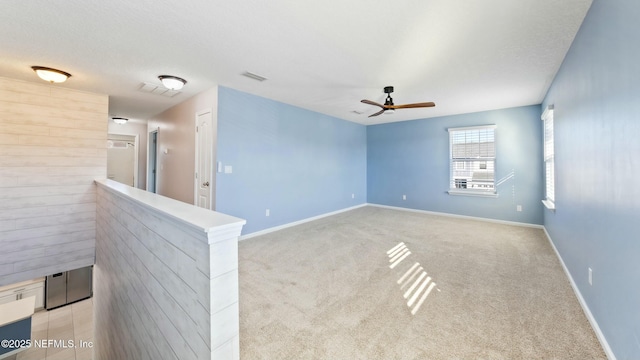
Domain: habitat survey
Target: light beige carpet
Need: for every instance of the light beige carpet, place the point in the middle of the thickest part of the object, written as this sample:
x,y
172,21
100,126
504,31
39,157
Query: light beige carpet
x,y
326,290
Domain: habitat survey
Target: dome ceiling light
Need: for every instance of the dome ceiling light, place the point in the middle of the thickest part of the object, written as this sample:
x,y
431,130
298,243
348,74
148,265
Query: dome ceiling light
x,y
172,82
51,75
120,120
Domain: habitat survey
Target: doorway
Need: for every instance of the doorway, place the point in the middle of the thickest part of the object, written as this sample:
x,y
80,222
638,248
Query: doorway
x,y
122,158
152,161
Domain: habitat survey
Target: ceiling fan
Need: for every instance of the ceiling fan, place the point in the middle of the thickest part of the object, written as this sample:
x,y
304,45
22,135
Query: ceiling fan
x,y
389,107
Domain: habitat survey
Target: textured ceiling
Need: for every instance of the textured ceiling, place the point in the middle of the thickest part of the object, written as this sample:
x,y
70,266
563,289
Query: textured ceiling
x,y
325,56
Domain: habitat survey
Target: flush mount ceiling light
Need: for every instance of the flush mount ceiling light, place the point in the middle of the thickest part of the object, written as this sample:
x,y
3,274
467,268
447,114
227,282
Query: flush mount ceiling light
x,y
120,120
51,75
172,82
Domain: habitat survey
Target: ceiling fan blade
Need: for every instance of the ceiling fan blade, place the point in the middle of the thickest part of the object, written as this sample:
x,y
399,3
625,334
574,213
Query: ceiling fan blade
x,y
409,106
378,113
372,103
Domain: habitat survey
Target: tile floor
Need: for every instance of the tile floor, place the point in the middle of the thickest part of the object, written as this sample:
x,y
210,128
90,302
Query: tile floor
x,y
58,326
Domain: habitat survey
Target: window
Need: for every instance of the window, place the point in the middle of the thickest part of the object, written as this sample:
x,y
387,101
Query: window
x,y
549,166
472,160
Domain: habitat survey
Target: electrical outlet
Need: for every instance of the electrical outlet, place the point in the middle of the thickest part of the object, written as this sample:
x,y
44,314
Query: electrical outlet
x,y
404,197
518,207
266,213
590,276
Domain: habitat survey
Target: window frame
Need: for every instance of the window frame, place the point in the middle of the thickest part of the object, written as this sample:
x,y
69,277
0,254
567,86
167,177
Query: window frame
x,y
548,157
453,190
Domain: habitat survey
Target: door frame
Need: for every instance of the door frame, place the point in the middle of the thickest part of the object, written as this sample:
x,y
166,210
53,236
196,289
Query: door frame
x,y
136,150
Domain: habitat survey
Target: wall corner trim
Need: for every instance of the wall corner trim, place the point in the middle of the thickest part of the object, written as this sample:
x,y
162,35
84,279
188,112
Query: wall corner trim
x,y
585,308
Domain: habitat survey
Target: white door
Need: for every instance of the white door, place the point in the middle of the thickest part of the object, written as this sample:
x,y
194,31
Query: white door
x,y
121,159
204,150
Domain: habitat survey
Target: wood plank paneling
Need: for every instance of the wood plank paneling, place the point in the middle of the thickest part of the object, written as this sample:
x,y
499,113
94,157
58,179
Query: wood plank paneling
x,y
9,139
22,192
28,202
14,109
17,150
42,161
135,254
51,241
96,171
153,296
52,147
35,140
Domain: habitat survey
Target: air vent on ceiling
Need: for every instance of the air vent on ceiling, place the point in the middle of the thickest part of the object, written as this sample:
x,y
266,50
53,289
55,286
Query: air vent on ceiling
x,y
254,76
157,89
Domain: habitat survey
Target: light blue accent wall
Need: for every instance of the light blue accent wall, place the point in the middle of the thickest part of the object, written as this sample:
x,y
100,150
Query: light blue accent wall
x,y
596,95
294,162
412,158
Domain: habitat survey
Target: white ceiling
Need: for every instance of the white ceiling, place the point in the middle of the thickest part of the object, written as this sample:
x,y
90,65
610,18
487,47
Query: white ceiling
x,y
326,56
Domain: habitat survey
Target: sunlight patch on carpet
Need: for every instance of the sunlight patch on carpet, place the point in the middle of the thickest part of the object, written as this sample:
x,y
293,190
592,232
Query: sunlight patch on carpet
x,y
421,283
397,254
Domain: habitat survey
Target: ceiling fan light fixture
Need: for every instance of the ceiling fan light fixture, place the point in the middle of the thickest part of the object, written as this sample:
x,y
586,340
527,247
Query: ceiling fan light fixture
x,y
120,120
389,107
51,75
172,82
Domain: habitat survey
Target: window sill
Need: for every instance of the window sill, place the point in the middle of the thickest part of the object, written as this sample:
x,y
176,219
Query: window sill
x,y
473,193
549,205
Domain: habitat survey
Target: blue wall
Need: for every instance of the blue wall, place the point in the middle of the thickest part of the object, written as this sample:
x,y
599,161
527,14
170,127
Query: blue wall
x,y
596,95
412,158
300,164
294,162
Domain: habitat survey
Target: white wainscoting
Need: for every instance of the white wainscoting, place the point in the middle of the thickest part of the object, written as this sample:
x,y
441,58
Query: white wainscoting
x,y
166,278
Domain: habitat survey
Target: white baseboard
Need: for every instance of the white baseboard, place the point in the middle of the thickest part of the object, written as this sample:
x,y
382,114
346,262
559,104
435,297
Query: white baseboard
x,y
284,226
504,222
583,304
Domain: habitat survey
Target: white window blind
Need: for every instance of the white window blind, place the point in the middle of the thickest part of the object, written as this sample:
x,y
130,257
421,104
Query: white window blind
x,y
550,192
472,160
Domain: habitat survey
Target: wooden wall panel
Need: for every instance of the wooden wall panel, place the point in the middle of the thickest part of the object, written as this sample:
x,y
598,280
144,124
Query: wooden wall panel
x,y
166,278
52,147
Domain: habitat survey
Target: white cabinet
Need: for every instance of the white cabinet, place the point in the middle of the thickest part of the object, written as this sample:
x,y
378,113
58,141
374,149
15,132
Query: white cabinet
x,y
38,292
23,290
7,298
